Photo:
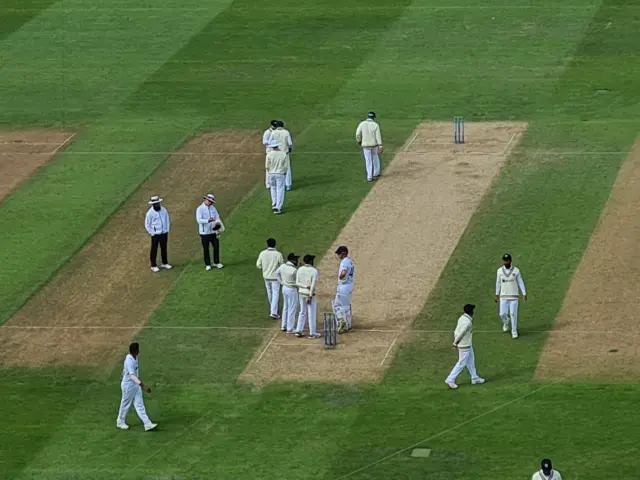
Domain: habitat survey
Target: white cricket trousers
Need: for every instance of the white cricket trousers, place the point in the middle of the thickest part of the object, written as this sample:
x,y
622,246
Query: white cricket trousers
x,y
273,295
509,312
466,358
266,179
276,181
371,162
287,178
342,304
307,310
290,300
132,394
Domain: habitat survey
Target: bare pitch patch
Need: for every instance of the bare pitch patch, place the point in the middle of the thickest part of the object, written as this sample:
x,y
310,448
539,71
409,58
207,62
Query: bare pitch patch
x,y
400,239
596,334
23,152
108,283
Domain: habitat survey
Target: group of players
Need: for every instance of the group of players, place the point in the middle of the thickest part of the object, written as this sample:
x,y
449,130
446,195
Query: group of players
x,y
299,289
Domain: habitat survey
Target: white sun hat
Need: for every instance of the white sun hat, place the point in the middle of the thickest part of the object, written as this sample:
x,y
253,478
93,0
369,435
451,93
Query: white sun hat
x,y
210,197
154,199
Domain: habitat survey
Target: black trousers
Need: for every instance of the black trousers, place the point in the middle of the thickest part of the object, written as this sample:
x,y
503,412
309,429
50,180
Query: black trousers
x,y
161,240
215,243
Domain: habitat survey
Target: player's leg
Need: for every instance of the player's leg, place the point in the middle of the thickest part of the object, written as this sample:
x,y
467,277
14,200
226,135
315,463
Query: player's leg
x,y
273,190
376,162
312,309
293,306
302,315
205,250
153,254
164,250
275,298
287,181
504,314
471,366
513,312
457,368
279,191
138,403
125,405
368,163
267,287
267,182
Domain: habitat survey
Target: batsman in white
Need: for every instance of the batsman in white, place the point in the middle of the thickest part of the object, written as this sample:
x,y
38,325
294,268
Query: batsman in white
x,y
286,275
266,139
369,138
508,281
463,342
132,388
276,167
342,302
268,261
306,281
283,136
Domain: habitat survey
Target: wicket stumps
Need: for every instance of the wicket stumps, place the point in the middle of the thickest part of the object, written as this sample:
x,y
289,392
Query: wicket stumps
x,y
458,130
330,337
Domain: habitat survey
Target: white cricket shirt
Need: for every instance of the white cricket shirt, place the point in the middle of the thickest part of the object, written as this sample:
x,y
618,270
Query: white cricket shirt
x,y
130,368
346,283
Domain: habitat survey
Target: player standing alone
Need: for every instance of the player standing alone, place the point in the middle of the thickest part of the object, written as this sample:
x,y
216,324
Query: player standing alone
x,y
342,302
508,281
369,138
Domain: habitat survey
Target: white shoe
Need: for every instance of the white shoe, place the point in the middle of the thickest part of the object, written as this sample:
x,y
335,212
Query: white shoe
x,y
315,335
207,268
155,269
166,266
477,381
151,426
275,316
505,327
452,385
514,334
122,426
218,265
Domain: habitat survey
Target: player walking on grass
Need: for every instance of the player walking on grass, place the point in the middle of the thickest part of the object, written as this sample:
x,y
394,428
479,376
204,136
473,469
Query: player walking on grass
x,y
210,227
508,281
158,225
286,275
266,139
283,136
342,302
546,472
276,167
132,388
268,261
369,138
306,281
462,341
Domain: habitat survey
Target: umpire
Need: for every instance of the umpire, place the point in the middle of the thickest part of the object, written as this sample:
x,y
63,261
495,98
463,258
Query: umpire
x,y
210,226
157,224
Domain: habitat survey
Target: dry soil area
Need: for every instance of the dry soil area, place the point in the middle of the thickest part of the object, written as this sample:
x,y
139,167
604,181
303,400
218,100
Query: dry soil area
x,y
400,239
106,293
23,152
596,334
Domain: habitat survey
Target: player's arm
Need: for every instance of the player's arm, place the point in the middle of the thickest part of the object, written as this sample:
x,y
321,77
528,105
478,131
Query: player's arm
x,y
521,285
379,137
147,223
266,137
202,217
359,134
461,334
259,262
168,220
289,143
343,273
278,275
497,286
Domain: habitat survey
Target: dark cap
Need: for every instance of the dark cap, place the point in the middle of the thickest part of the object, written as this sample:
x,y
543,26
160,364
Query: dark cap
x,y
281,123
342,249
506,256
308,259
546,466
292,257
468,309
371,114
274,123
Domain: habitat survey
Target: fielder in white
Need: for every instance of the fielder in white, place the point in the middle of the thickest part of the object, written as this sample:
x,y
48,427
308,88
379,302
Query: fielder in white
x,y
306,280
462,341
346,278
283,136
369,138
266,139
276,167
132,388
508,281
268,261
546,472
286,275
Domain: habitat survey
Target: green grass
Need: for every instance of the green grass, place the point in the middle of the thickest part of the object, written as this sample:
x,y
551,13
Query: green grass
x,y
561,66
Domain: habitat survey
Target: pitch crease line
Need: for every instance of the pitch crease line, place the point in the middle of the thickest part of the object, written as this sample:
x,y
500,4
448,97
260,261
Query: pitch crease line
x,y
267,347
389,349
63,144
